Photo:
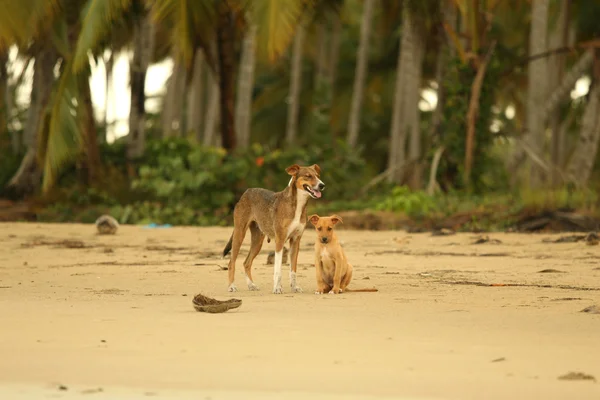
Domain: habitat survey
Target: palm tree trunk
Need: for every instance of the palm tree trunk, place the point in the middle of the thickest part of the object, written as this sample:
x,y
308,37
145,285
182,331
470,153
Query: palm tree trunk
x,y
321,55
4,103
243,111
91,161
556,70
226,61
334,51
537,81
412,110
212,112
360,76
27,178
584,156
172,108
195,101
295,86
143,38
398,134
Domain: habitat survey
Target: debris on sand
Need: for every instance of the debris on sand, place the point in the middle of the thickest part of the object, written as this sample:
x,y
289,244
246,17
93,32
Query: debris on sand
x,y
486,239
271,257
65,243
550,271
591,310
206,304
499,359
591,239
577,376
443,232
106,225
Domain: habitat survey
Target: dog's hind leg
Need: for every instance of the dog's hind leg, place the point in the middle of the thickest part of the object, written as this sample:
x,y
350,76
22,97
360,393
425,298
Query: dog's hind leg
x,y
239,232
257,239
294,250
346,278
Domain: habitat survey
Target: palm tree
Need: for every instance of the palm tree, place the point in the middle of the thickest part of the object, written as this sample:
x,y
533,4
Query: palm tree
x,y
4,104
537,82
362,59
243,110
26,179
295,86
195,104
143,48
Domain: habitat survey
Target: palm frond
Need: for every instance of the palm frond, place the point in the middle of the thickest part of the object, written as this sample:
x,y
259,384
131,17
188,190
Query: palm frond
x,y
98,16
276,21
192,24
22,20
62,135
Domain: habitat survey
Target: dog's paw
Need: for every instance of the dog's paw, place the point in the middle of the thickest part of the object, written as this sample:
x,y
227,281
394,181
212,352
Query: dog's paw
x,y
297,289
277,290
335,291
317,292
252,286
232,288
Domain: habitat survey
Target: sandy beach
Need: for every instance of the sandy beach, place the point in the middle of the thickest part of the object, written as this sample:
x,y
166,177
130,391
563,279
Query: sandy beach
x,y
107,317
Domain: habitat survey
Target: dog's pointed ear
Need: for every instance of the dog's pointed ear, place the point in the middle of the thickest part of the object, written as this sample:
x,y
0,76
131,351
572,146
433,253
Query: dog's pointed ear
x,y
314,219
293,170
317,168
336,218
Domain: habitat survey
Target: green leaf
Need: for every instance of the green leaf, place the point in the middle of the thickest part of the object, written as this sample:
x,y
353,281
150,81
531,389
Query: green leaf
x,y
98,17
64,136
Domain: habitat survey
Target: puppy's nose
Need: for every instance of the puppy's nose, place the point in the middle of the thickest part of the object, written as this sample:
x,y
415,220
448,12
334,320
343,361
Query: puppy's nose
x,y
321,186
324,239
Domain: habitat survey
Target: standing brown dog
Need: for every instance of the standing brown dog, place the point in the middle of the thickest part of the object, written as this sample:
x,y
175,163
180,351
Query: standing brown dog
x,y
333,270
280,216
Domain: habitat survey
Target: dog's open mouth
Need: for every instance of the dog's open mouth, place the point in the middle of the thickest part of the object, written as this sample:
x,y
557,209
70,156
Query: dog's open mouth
x,y
314,193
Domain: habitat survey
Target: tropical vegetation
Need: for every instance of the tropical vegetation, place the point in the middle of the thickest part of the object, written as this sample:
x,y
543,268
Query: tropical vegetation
x,y
419,107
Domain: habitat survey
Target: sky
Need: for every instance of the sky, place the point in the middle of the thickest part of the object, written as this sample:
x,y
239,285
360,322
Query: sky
x,y
156,77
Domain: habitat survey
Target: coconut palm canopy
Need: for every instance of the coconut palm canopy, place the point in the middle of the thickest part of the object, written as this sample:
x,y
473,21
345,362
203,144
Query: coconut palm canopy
x,y
432,94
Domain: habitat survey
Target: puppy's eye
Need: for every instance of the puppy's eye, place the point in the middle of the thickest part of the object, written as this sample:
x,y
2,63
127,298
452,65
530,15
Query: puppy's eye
x,y
319,229
307,176
329,228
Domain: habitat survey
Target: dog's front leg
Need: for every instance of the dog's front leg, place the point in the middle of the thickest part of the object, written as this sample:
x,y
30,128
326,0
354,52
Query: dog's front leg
x,y
322,287
294,250
277,266
337,278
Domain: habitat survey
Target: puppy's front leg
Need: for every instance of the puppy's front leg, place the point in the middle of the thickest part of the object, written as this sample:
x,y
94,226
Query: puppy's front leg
x,y
277,266
337,278
322,287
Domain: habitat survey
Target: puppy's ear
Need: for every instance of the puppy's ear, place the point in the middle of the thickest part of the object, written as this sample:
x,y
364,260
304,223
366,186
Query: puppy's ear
x,y
293,170
314,219
317,168
336,218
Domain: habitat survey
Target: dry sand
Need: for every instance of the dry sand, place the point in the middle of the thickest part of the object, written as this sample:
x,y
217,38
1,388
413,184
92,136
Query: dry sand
x,y
114,319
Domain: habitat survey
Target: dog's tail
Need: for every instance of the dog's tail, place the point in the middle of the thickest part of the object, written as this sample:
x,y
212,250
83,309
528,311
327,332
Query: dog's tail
x,y
362,290
227,248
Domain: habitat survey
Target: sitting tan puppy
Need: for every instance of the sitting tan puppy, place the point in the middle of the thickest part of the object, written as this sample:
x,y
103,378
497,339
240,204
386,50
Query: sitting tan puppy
x,y
333,270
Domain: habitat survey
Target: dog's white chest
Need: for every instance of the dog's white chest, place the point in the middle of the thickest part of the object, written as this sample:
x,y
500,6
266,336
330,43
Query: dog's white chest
x,y
296,227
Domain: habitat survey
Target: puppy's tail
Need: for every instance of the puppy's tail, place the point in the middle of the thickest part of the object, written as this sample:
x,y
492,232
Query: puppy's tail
x,y
362,290
227,248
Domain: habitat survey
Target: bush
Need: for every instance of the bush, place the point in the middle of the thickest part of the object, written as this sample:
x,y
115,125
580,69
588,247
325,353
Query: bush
x,y
187,184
